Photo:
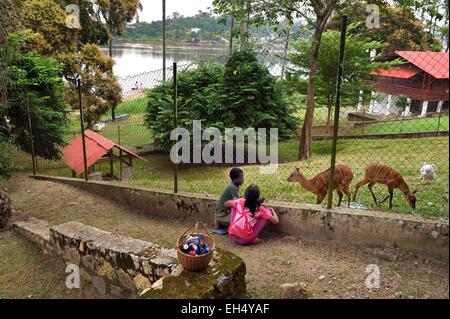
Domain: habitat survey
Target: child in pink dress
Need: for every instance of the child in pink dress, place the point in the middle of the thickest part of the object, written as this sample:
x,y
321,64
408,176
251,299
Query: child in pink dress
x,y
248,216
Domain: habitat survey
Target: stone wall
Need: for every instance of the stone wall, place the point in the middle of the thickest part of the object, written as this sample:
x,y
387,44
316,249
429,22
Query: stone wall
x,y
124,267
427,237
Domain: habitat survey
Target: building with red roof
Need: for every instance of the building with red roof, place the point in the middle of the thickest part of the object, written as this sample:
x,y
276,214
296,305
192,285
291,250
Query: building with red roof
x,y
423,79
97,147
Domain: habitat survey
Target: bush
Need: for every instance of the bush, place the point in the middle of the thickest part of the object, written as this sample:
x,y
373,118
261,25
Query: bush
x,y
198,99
254,98
240,94
5,210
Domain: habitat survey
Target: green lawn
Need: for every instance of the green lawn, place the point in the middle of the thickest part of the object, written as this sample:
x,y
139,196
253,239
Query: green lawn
x,y
407,126
405,155
27,273
132,130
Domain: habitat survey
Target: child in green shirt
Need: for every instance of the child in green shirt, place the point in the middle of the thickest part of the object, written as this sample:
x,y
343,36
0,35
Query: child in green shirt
x,y
231,191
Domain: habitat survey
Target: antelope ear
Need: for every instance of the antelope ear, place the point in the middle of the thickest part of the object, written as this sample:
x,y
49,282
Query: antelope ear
x,y
297,170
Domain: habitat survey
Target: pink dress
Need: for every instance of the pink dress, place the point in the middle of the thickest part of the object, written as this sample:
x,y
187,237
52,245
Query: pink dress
x,y
244,227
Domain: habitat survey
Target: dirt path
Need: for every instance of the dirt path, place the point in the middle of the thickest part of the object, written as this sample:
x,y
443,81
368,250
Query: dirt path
x,y
328,270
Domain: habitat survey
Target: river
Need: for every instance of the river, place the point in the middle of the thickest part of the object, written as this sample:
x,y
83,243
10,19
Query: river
x,y
139,66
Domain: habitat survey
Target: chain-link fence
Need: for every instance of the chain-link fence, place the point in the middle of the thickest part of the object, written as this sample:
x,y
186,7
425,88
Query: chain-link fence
x,y
399,118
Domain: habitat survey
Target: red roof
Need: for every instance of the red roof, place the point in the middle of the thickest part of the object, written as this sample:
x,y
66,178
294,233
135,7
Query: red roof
x,y
434,63
404,71
96,147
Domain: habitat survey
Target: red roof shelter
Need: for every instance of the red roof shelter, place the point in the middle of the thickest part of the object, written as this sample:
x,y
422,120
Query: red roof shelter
x,y
97,147
424,76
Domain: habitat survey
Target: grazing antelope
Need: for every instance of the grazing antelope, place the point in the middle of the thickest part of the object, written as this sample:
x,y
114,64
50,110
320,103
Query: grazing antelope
x,y
318,185
377,173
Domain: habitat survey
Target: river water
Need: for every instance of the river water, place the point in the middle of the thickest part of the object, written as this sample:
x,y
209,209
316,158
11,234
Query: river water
x,y
139,66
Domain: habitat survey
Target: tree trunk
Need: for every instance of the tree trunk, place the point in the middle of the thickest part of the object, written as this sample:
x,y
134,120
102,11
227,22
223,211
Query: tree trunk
x,y
305,146
322,16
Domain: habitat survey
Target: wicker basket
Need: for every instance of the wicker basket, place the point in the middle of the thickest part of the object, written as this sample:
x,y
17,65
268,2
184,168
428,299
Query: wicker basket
x,y
195,263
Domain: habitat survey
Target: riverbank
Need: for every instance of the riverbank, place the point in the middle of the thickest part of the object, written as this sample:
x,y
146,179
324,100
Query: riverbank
x,y
172,42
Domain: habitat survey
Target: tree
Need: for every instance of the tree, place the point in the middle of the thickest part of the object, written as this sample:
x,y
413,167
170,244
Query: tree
x,y
399,29
317,13
116,14
48,20
240,11
9,21
35,84
432,13
357,61
99,87
100,90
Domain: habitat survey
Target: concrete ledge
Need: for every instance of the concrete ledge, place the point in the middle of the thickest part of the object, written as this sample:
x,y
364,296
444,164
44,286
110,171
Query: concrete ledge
x,y
119,266
427,237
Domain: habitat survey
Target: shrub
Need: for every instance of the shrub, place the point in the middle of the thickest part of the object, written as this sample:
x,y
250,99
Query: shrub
x,y
198,99
5,210
240,94
254,97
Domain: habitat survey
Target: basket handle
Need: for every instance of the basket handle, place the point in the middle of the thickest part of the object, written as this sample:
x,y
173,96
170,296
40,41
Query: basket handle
x,y
194,228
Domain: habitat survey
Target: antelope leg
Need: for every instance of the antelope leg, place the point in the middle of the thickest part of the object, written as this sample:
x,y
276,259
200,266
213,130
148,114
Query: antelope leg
x,y
373,195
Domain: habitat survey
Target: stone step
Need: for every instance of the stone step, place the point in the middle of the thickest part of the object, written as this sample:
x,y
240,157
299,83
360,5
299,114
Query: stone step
x,y
37,231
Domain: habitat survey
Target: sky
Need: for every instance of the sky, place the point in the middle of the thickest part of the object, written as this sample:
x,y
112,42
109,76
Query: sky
x,y
152,9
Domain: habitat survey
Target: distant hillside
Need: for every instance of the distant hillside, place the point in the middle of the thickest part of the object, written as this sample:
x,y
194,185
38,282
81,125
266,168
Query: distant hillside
x,y
178,28
201,27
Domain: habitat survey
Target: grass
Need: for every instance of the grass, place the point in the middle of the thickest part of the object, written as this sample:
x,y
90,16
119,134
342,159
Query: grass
x,y
131,131
405,155
26,273
407,126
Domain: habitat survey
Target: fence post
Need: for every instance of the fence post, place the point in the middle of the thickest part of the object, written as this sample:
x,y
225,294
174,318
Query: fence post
x,y
175,120
401,124
164,37
82,131
439,121
120,152
33,156
364,120
336,111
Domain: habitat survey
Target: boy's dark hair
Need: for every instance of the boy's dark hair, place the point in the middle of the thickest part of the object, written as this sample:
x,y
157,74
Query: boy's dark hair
x,y
235,172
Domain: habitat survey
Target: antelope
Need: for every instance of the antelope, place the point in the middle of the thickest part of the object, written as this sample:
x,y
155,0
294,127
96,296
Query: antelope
x,y
318,185
377,173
